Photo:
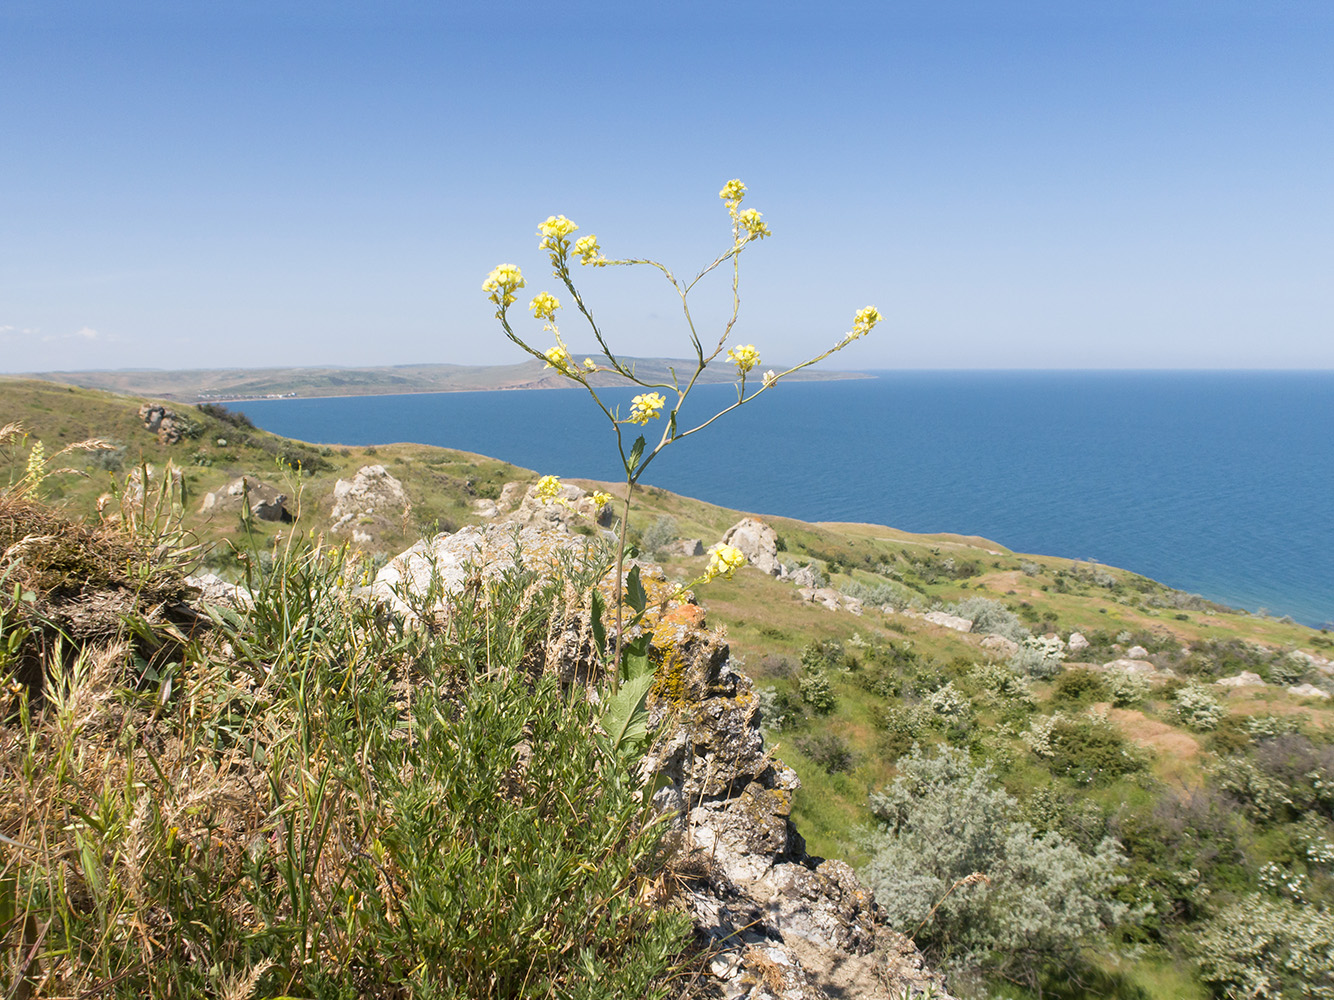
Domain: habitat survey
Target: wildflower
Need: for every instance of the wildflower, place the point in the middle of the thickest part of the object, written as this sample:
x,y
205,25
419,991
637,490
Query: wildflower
x,y
548,488
559,359
544,305
646,407
502,283
590,364
732,193
863,322
587,249
36,470
600,499
770,379
554,231
745,358
750,222
724,560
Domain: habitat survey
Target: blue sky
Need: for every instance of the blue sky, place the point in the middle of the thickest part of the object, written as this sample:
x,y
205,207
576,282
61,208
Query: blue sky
x,y
1014,184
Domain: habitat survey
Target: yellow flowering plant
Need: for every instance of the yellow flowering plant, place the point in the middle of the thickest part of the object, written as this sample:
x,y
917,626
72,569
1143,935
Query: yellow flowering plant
x,y
659,399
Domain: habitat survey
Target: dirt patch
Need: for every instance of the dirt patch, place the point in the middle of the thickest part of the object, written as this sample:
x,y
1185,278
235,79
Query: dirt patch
x,y
1157,736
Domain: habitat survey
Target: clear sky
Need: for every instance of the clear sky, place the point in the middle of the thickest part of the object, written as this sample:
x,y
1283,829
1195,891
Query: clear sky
x,y
1014,183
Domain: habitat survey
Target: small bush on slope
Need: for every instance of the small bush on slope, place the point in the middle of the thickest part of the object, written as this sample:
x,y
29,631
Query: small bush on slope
x,y
955,867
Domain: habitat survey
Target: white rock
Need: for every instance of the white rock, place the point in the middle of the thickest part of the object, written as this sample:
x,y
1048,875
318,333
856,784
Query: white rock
x,y
949,621
684,547
216,590
369,502
806,576
1243,679
1130,666
758,543
1308,691
1137,653
1077,642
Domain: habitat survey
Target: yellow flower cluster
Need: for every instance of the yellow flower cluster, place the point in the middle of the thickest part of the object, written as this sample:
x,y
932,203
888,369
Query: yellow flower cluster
x,y
587,250
559,359
503,281
544,305
732,193
864,322
548,488
745,358
750,222
646,407
600,499
724,560
554,231
36,470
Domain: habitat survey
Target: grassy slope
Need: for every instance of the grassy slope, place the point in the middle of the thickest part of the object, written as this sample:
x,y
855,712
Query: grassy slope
x,y
767,622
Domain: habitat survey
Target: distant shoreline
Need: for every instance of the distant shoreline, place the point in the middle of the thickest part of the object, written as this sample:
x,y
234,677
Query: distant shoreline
x,y
840,377
230,385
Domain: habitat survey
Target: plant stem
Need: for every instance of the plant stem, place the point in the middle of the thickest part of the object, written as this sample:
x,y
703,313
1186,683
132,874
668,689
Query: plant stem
x,y
620,589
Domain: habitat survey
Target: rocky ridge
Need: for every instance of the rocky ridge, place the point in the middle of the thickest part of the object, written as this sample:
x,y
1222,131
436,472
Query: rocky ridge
x,y
775,921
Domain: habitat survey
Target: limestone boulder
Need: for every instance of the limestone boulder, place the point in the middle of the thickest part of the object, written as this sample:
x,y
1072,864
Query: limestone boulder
x,y
368,504
806,576
1076,643
1137,653
573,505
1244,679
1308,691
758,542
684,547
169,426
265,502
949,621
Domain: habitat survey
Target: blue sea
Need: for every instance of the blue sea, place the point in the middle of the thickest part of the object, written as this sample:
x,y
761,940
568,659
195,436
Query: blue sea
x,y
1217,483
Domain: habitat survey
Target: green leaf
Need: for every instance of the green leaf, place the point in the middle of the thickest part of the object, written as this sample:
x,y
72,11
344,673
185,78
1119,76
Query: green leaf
x,y
626,719
635,660
636,453
635,595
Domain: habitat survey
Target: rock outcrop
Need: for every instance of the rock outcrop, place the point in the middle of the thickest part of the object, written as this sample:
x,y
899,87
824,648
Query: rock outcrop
x,y
946,620
168,425
776,922
367,504
266,503
758,543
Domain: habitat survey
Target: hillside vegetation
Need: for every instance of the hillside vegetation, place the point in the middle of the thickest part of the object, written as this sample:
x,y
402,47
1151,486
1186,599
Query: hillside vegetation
x,y
1135,829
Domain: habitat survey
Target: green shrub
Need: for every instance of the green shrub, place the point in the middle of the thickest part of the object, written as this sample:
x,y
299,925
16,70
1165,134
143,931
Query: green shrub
x,y
309,799
1081,685
1195,706
1263,947
1126,689
816,691
1038,657
990,617
830,751
824,655
658,534
956,868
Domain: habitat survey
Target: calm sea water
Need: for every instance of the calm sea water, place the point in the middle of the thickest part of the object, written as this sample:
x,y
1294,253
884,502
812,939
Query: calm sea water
x,y
1217,483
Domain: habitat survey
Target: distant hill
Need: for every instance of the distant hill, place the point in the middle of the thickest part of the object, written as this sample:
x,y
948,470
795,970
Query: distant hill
x,y
221,384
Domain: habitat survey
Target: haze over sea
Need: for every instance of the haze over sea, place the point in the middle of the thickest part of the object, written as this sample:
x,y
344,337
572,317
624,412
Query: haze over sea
x,y
1217,483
